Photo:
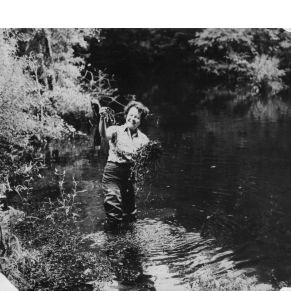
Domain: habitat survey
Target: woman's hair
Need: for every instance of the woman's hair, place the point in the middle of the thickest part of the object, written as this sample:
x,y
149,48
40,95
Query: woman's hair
x,y
143,110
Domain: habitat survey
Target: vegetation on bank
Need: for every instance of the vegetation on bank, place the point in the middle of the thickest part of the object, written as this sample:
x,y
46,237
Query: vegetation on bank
x,y
259,57
44,247
41,81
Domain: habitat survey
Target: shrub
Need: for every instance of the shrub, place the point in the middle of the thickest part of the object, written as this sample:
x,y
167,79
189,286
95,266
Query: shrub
x,y
52,255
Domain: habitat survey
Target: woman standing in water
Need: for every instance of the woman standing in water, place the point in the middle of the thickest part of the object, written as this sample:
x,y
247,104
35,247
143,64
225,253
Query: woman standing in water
x,y
124,140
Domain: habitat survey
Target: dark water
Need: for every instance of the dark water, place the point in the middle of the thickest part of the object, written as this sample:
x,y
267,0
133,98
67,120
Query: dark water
x,y
222,196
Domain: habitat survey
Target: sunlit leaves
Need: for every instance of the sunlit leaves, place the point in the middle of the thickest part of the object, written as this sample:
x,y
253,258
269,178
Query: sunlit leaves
x,y
255,54
40,81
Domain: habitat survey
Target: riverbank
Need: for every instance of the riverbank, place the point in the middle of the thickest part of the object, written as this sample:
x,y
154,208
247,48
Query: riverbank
x,y
44,246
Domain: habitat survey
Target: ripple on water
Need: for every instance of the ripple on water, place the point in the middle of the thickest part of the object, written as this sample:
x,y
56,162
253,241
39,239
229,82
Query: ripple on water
x,y
166,254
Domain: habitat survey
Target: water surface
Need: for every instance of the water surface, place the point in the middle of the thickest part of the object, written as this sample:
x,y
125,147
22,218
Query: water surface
x,y
221,196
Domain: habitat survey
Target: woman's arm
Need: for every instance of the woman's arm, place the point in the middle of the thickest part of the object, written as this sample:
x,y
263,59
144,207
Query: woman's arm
x,y
105,132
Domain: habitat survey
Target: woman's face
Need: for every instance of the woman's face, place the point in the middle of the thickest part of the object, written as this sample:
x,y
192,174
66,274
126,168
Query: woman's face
x,y
133,119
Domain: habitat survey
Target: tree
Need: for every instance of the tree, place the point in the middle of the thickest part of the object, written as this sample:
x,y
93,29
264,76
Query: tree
x,y
41,80
58,70
254,54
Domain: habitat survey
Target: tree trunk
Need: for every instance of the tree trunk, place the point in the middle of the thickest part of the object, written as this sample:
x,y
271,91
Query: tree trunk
x,y
51,63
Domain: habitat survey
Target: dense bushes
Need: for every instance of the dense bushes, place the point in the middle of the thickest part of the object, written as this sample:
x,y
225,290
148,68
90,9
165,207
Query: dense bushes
x,y
259,56
40,82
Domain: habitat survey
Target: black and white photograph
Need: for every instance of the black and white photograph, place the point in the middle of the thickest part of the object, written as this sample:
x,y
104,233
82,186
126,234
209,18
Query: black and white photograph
x,y
149,155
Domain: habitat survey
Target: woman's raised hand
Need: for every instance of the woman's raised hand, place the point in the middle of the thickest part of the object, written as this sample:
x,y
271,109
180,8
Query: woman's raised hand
x,y
107,114
102,111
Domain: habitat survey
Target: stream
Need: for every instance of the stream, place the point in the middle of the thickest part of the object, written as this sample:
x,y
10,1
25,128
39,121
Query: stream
x,y
221,196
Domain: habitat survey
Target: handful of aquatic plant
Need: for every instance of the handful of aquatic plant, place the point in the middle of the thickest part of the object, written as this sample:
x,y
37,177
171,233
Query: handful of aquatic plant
x,y
145,161
108,115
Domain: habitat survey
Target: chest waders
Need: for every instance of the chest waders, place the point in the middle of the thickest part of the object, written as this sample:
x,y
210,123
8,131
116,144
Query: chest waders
x,y
119,193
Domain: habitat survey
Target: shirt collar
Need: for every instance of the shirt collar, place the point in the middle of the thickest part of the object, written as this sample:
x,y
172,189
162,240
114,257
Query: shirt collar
x,y
125,128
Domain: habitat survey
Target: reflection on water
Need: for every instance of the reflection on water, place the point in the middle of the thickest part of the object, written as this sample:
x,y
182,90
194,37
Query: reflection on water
x,y
222,196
